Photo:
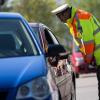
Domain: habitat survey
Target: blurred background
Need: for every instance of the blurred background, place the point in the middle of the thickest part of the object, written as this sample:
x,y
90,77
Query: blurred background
x,y
40,11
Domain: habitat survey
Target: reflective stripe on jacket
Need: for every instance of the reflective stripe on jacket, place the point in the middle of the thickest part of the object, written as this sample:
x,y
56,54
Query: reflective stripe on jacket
x,y
86,31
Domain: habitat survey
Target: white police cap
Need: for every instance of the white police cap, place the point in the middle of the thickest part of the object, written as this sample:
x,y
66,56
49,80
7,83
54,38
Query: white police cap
x,y
60,9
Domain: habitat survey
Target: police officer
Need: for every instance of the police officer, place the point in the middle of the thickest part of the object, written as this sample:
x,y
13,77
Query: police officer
x,y
85,29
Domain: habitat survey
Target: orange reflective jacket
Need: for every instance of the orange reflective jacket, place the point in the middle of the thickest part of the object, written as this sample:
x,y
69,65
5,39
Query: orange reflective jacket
x,y
83,33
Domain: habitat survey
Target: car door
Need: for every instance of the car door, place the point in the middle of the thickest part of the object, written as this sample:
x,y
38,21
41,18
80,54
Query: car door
x,y
61,72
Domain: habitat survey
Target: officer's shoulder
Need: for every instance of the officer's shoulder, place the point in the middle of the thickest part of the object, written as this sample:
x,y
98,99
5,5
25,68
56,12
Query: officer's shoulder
x,y
84,14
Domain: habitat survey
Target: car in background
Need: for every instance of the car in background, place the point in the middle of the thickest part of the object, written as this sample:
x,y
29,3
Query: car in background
x,y
23,69
60,69
79,66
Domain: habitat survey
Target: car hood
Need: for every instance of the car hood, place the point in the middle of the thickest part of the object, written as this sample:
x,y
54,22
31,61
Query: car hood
x,y
16,71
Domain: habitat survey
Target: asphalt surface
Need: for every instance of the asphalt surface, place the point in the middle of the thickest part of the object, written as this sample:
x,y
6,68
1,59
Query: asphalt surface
x,y
86,87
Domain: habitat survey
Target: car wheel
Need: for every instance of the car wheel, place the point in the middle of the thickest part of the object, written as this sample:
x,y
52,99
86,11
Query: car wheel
x,y
73,92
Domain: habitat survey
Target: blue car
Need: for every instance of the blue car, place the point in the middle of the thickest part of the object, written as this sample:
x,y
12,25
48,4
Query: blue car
x,y
23,69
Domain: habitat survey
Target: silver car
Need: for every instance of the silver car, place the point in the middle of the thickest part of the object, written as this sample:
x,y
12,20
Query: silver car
x,y
59,67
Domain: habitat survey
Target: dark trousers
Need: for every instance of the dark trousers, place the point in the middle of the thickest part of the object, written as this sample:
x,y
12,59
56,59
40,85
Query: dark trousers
x,y
98,78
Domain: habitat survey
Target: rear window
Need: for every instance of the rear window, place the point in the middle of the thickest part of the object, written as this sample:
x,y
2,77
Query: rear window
x,y
36,31
15,39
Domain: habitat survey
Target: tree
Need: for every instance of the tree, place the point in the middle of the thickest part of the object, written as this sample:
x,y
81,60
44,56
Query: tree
x,y
40,11
91,6
2,3
36,11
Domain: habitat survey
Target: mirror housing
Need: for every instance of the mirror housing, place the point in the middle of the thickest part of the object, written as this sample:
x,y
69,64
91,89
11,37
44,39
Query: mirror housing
x,y
58,51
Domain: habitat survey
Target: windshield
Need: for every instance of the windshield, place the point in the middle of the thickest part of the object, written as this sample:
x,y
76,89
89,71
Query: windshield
x,y
14,39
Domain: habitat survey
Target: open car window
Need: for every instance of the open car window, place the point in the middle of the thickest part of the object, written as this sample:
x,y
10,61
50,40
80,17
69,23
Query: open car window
x,y
51,39
15,39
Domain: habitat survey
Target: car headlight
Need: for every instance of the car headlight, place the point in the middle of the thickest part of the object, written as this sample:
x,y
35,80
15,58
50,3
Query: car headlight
x,y
37,89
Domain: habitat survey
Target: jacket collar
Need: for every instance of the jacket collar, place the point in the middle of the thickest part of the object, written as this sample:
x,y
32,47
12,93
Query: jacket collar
x,y
69,21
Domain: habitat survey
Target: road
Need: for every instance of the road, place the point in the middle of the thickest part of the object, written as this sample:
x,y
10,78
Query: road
x,y
86,87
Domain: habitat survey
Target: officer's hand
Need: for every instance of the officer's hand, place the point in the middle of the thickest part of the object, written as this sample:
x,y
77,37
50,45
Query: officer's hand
x,y
53,61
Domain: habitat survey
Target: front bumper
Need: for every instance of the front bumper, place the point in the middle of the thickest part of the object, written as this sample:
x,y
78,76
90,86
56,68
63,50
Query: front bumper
x,y
11,95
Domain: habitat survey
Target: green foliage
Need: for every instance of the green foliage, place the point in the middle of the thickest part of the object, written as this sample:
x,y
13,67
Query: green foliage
x,y
40,11
92,6
36,11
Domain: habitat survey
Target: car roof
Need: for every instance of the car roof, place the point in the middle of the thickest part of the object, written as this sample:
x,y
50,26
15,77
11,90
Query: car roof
x,y
34,24
10,15
41,25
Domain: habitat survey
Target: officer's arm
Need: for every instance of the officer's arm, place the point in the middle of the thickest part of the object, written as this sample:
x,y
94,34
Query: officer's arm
x,y
96,34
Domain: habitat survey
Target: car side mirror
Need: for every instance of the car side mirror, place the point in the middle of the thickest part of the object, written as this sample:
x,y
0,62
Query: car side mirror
x,y
58,51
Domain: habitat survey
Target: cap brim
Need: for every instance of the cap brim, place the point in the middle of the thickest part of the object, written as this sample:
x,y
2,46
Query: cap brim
x,y
60,9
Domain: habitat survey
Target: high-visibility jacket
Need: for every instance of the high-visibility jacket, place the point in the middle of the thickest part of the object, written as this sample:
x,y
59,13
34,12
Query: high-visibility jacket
x,y
85,29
